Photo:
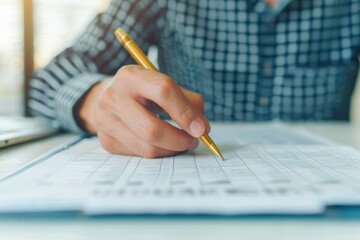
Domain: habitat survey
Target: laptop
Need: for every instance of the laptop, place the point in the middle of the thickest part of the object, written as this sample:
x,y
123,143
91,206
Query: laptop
x,y
15,130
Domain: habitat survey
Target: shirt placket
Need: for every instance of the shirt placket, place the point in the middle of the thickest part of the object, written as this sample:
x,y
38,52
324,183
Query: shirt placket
x,y
267,45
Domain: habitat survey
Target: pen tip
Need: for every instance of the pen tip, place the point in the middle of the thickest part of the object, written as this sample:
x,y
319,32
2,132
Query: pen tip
x,y
221,156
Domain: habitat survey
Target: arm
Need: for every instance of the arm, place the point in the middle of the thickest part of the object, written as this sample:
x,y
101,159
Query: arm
x,y
56,90
77,90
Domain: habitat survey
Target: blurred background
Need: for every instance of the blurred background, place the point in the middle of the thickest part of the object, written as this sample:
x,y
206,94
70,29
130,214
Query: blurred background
x,y
34,31
56,23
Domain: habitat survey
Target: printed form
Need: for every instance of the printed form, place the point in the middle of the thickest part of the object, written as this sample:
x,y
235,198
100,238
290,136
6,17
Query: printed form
x,y
269,170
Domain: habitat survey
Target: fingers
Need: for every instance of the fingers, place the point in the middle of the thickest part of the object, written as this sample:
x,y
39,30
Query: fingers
x,y
162,90
126,120
153,130
118,139
113,146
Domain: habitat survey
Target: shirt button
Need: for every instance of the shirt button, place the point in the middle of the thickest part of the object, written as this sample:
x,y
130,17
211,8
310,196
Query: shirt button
x,y
264,101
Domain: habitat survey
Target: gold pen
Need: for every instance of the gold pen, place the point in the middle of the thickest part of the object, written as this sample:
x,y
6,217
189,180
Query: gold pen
x,y
142,60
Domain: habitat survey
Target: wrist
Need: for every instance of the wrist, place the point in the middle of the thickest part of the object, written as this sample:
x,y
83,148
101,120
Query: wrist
x,y
86,110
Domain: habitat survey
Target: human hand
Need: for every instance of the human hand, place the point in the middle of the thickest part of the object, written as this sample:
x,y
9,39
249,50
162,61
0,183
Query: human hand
x,y
122,112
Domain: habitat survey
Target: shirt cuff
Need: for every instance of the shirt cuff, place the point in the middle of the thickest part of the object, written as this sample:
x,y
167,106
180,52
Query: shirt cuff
x,y
69,95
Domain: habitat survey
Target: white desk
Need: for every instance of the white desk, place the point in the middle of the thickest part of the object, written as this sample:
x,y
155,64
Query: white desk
x,y
175,228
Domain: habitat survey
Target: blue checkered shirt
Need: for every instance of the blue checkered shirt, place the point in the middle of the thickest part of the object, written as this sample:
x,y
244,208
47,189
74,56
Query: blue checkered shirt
x,y
296,60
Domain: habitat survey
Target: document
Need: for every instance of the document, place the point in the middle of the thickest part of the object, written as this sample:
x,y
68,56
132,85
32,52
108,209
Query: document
x,y
270,170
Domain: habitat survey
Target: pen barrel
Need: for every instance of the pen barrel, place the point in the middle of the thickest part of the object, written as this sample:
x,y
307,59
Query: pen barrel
x,y
134,50
206,139
139,56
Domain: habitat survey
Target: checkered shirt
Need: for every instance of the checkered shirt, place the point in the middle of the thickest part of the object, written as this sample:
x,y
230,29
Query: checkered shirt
x,y
296,60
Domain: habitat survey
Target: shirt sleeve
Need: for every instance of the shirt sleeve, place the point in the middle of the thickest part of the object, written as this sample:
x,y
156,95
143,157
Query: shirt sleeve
x,y
56,89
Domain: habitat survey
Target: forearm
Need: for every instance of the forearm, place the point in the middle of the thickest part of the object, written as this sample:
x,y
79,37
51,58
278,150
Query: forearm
x,y
57,90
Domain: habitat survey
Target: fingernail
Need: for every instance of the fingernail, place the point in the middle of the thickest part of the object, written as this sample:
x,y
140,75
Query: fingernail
x,y
197,128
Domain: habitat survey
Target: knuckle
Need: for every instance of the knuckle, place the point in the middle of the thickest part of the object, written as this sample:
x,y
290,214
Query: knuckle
x,y
149,152
200,101
126,70
165,87
185,114
151,131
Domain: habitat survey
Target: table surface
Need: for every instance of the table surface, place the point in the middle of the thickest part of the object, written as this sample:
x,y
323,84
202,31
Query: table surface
x,y
72,227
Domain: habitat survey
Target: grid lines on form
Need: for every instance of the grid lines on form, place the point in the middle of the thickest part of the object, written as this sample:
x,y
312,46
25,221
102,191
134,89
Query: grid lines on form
x,y
274,170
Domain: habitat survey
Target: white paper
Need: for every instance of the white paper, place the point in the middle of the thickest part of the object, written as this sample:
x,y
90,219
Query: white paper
x,y
295,174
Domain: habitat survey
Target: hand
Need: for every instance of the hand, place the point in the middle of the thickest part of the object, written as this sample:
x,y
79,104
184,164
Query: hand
x,y
122,112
